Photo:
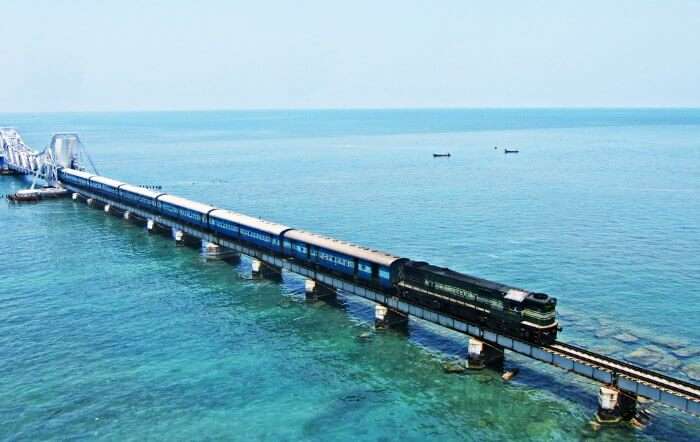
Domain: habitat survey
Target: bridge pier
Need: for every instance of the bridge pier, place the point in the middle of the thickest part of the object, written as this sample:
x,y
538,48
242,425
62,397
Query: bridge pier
x,y
482,355
89,201
315,290
114,211
127,215
75,196
261,269
178,236
153,227
615,405
212,250
386,318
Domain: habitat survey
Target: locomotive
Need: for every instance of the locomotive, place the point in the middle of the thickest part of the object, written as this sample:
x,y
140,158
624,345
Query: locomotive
x,y
505,309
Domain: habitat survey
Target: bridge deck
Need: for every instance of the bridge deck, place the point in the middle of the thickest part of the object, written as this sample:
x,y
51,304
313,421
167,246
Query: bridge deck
x,y
638,380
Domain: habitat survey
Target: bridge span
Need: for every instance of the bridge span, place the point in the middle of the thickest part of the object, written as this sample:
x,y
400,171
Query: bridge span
x,y
622,382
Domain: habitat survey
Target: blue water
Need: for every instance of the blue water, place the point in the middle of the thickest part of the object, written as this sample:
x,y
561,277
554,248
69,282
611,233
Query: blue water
x,y
109,333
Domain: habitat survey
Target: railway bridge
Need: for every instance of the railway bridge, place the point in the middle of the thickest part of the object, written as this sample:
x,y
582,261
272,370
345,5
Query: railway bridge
x,y
621,382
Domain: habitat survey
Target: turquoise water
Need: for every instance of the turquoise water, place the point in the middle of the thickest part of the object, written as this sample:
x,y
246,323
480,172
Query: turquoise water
x,y
109,333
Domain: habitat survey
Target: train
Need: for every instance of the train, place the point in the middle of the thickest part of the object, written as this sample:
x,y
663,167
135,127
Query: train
x,y
508,310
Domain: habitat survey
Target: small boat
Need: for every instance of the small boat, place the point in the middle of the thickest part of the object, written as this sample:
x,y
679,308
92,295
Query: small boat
x,y
511,151
438,155
37,194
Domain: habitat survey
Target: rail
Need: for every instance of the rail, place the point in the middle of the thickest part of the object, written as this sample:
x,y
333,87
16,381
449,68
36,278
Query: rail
x,y
658,380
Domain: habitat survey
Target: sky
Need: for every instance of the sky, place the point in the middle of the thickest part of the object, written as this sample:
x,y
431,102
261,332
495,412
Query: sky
x,y
78,55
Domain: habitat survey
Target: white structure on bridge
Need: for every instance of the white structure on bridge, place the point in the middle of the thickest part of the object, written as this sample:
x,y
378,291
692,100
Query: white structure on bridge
x,y
16,156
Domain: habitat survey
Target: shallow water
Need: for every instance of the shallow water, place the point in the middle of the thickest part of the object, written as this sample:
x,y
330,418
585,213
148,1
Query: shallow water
x,y
106,332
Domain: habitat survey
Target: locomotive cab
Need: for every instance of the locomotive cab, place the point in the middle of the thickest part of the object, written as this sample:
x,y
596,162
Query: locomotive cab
x,y
539,314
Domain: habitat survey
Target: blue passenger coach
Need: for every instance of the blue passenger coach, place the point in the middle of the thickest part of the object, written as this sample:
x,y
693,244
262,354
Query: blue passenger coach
x,y
142,198
258,232
184,210
75,177
224,223
371,266
105,186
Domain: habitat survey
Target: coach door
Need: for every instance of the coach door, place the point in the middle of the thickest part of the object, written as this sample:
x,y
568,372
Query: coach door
x,y
375,272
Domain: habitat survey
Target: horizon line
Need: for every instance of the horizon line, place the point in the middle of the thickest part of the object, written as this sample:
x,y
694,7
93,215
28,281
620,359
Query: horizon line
x,y
351,108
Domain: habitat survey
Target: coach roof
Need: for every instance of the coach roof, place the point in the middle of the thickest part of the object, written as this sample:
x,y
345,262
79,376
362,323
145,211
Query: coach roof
x,y
186,204
140,191
249,221
108,181
334,245
78,173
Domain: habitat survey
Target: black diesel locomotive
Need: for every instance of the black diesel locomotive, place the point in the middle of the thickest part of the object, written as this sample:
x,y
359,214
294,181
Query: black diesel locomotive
x,y
508,310
504,309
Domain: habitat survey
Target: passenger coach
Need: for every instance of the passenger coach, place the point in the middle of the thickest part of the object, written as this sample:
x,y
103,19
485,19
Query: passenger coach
x,y
247,229
142,198
367,265
75,177
184,210
105,186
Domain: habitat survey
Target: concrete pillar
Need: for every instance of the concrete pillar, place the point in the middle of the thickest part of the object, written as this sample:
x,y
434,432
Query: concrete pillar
x,y
482,355
106,208
150,225
89,201
315,290
260,269
74,196
178,236
256,266
212,250
127,214
615,405
385,318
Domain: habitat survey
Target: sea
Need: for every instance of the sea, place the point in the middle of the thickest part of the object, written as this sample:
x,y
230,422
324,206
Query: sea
x,y
109,333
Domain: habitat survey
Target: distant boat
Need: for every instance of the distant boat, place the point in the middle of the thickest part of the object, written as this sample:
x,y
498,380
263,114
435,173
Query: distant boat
x,y
438,155
511,151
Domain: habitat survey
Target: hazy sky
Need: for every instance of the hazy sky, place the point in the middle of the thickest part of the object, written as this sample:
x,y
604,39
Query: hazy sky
x,y
112,55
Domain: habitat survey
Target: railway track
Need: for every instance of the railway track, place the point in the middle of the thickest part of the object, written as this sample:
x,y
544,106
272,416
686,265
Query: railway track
x,y
643,375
